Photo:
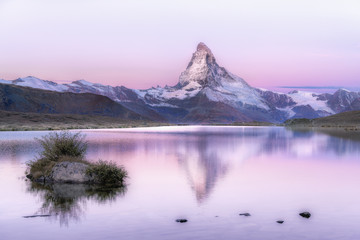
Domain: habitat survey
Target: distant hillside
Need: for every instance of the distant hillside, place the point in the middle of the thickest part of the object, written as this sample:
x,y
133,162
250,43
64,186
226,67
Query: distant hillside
x,y
31,100
11,121
344,119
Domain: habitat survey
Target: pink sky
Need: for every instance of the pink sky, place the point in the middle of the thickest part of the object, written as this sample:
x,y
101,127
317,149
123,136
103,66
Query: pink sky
x,y
140,44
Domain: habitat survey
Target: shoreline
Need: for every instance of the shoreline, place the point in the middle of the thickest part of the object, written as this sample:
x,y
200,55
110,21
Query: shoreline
x,y
20,121
17,128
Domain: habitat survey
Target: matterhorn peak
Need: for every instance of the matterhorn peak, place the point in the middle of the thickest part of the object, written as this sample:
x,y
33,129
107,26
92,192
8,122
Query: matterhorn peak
x,y
203,71
203,53
200,66
202,47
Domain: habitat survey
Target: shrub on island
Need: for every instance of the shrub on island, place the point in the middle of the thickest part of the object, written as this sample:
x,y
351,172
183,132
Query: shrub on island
x,y
63,161
107,173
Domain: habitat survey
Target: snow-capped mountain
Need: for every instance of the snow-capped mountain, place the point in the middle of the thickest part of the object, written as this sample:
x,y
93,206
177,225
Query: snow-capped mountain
x,y
5,81
204,76
207,92
34,82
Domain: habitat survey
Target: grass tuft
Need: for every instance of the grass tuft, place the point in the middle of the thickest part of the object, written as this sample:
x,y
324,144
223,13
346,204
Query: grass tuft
x,y
59,144
40,168
107,173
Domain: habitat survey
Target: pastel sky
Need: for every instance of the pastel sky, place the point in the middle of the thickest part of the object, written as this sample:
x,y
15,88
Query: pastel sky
x,y
146,43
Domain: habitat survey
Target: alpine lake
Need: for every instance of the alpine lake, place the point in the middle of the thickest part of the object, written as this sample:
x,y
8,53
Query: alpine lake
x,y
208,175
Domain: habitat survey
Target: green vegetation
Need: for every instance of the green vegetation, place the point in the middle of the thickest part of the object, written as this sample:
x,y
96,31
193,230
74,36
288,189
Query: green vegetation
x,y
57,147
67,147
253,123
107,173
298,122
20,121
39,168
63,144
349,121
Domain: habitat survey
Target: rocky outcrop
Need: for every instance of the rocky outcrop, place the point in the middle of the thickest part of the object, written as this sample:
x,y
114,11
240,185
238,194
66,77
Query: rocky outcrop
x,y
279,100
70,172
342,100
65,172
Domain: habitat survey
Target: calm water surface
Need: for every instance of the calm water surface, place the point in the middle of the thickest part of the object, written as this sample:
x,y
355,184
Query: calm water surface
x,y
207,175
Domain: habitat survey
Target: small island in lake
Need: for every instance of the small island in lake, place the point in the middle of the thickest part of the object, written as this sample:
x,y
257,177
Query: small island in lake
x,y
62,161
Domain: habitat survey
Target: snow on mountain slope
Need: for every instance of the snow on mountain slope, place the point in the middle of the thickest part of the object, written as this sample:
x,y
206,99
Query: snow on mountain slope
x,y
204,76
156,96
82,86
5,81
217,83
40,84
235,93
308,98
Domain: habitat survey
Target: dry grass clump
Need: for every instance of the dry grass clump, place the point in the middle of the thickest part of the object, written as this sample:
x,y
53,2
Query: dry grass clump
x,y
107,173
60,144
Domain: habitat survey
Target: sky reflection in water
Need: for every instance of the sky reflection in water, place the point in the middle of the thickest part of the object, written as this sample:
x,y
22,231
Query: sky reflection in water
x,y
197,173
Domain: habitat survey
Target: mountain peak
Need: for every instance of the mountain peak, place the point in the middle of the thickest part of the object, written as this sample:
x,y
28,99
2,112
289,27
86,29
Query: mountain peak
x,y
202,47
205,72
203,54
199,67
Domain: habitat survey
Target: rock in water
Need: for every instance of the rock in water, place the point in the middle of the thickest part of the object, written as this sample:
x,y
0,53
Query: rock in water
x,y
181,220
70,172
305,214
280,221
245,214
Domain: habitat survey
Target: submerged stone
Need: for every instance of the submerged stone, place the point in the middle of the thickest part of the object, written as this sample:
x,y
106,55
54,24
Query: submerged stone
x,y
305,214
181,220
245,214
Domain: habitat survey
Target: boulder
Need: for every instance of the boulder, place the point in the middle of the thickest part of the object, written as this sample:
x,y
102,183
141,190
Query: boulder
x,y
305,214
70,172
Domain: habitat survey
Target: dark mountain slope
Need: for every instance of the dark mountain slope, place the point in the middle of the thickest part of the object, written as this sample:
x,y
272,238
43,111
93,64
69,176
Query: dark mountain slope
x,y
344,119
24,99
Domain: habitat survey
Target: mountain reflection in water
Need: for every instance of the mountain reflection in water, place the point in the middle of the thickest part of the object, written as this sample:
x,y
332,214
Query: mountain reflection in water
x,y
195,173
207,156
